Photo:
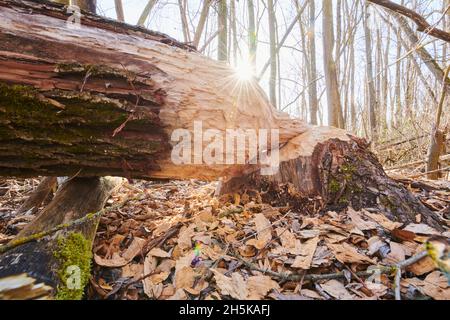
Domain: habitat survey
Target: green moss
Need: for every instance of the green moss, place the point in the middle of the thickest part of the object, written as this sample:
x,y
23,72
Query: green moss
x,y
334,186
73,251
347,170
97,71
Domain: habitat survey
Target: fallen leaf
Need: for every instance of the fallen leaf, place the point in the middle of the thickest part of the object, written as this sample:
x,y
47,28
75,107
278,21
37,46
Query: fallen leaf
x,y
259,286
435,285
118,260
375,243
179,295
263,230
359,222
157,252
346,253
185,237
421,229
382,220
307,250
397,253
289,242
185,278
233,286
337,290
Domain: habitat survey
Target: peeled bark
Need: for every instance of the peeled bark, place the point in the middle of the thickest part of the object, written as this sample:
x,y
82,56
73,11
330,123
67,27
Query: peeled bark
x,y
105,99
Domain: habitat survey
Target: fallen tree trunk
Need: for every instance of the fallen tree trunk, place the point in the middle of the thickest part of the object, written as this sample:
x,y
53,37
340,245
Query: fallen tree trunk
x,y
61,260
106,99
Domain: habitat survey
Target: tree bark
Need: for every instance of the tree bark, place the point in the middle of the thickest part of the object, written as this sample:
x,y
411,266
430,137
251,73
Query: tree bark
x,y
222,22
312,88
273,53
373,104
55,258
327,169
332,87
66,112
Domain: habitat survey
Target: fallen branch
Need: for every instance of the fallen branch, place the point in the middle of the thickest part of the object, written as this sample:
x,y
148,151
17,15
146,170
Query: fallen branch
x,y
421,22
426,173
338,275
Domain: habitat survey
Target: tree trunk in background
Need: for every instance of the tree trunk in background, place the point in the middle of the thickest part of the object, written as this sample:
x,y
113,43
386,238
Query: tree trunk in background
x,y
182,5
233,26
427,59
201,22
332,87
312,81
146,12
86,5
222,16
119,10
437,141
252,36
273,53
372,105
65,254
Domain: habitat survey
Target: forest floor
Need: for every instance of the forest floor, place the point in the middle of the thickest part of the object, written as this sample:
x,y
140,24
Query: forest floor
x,y
176,240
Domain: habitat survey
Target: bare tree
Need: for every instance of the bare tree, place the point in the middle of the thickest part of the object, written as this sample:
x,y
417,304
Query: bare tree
x,y
201,22
312,81
373,104
252,35
332,87
119,10
146,13
273,52
222,19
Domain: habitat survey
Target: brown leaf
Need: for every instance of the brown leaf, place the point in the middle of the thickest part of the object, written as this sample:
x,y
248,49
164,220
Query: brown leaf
x,y
382,220
337,290
157,252
403,234
435,285
233,286
359,222
264,232
185,237
346,253
259,286
185,278
118,260
421,229
307,250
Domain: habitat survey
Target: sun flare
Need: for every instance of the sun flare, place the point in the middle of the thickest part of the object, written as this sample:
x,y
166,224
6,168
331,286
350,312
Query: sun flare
x,y
244,70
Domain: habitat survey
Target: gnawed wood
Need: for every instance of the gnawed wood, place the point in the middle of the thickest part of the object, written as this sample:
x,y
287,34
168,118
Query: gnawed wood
x,y
330,170
105,98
